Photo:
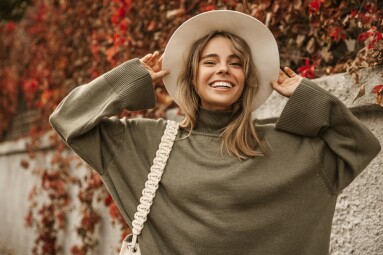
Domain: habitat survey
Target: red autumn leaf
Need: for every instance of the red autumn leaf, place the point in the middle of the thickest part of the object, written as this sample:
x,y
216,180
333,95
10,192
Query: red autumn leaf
x,y
76,250
128,2
315,6
10,26
60,216
207,8
124,24
353,14
45,98
112,51
365,19
24,164
89,220
364,36
113,211
121,12
29,219
337,33
369,7
377,89
378,37
30,86
114,19
108,200
151,26
307,70
95,181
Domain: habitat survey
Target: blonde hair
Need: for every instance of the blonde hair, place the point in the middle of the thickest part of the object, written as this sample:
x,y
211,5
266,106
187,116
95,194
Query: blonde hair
x,y
239,136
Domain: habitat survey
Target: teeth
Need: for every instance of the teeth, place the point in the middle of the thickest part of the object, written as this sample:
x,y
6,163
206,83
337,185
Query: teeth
x,y
222,84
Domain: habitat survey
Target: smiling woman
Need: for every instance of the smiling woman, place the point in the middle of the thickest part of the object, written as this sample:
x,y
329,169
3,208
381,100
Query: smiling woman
x,y
272,191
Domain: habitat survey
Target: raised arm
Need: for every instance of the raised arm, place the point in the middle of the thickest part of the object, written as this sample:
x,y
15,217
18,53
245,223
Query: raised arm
x,y
313,112
81,118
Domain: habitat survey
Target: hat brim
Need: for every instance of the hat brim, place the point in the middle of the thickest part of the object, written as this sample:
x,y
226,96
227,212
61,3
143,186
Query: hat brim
x,y
263,46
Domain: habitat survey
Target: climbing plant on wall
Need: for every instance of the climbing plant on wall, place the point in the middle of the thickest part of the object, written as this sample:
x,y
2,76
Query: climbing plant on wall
x,y
58,45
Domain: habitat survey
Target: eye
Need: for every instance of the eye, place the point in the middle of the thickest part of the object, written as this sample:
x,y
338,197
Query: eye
x,y
236,64
209,62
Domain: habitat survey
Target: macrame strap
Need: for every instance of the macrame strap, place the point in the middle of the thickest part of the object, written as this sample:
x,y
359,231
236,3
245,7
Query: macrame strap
x,y
154,177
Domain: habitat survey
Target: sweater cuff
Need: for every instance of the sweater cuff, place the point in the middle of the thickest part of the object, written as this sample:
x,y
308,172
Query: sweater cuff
x,y
307,113
133,85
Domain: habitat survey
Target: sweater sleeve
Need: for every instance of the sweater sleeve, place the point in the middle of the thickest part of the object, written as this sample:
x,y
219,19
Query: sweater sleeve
x,y
313,112
81,118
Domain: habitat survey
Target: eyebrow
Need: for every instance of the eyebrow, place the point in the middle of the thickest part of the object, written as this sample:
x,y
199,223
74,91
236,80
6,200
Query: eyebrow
x,y
213,55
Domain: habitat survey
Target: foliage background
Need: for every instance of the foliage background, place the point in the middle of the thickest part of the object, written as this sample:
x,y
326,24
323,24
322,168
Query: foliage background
x,y
49,47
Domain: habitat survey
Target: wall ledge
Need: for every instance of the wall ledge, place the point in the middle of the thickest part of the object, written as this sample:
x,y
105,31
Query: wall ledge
x,y
18,146
341,85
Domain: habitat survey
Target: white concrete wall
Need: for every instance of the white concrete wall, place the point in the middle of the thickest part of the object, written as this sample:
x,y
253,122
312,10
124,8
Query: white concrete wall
x,y
15,185
358,221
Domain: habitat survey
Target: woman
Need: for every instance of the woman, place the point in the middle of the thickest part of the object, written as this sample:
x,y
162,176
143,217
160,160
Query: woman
x,y
229,187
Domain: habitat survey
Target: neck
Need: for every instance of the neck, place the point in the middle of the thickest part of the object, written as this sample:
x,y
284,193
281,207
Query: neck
x,y
212,121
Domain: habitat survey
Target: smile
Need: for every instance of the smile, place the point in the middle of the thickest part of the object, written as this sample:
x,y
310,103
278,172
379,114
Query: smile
x,y
221,84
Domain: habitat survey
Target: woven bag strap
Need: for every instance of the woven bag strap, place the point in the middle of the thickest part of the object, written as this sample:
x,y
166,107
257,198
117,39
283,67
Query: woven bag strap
x,y
154,177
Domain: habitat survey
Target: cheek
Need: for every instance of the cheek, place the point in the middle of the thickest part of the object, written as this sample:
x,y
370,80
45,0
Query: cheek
x,y
240,76
201,73
202,77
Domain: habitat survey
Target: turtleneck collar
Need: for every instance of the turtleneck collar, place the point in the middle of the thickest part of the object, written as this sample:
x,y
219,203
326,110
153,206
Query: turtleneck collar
x,y
211,121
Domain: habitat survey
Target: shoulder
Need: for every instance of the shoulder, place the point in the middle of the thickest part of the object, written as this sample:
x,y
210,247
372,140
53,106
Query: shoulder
x,y
134,126
145,123
146,127
270,133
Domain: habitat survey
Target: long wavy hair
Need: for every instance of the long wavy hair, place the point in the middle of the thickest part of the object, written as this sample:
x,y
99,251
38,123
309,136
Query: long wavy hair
x,y
239,136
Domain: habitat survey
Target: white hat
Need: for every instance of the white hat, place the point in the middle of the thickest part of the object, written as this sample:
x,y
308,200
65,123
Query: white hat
x,y
264,48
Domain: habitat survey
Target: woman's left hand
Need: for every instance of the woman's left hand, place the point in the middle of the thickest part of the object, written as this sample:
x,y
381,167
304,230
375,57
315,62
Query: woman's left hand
x,y
286,85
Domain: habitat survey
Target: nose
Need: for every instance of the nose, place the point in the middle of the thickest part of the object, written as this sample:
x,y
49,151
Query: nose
x,y
223,69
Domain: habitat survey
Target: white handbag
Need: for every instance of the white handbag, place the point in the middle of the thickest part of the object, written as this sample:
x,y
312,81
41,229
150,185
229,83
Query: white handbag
x,y
130,245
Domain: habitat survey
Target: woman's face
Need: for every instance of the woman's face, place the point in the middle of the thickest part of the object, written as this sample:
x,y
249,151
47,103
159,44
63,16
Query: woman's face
x,y
220,76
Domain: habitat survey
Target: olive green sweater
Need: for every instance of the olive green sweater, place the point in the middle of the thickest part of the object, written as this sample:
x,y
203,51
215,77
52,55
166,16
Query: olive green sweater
x,y
209,203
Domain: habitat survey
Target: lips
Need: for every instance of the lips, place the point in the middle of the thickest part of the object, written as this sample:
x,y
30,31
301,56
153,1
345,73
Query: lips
x,y
221,84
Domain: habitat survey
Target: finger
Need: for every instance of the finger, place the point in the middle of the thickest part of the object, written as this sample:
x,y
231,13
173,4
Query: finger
x,y
160,74
146,58
154,58
290,72
284,72
282,76
158,64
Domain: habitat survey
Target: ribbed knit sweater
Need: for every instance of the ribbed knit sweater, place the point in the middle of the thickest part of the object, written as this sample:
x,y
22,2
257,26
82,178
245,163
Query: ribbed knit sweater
x,y
209,202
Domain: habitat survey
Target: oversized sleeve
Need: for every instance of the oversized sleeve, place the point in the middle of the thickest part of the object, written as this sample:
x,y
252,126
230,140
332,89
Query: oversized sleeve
x,y
82,118
348,146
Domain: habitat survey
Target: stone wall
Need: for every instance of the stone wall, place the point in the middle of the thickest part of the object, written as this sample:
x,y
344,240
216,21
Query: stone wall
x,y
358,221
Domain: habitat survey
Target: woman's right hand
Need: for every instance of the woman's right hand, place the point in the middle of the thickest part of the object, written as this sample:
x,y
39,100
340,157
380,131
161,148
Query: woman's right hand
x,y
153,63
